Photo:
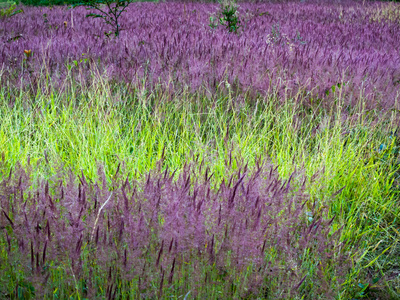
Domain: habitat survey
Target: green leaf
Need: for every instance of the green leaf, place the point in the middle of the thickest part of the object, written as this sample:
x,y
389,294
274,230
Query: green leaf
x,y
375,280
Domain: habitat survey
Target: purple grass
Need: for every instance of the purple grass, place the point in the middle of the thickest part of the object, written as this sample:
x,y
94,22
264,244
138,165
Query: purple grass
x,y
254,228
301,49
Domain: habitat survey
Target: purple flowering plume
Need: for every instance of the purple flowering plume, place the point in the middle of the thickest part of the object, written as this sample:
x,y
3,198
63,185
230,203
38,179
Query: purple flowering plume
x,y
307,49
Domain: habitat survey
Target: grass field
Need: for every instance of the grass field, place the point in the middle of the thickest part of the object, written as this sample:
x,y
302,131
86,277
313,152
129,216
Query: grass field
x,y
232,186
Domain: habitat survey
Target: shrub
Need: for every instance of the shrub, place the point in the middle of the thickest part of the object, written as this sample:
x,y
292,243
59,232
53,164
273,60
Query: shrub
x,y
228,16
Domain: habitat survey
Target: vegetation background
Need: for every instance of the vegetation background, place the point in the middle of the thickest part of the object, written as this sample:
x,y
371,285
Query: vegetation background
x,y
84,168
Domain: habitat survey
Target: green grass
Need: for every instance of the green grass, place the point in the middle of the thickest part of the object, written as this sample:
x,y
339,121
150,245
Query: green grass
x,y
81,127
5,4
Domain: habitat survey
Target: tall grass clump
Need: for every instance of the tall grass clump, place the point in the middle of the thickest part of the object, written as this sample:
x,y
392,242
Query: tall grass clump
x,y
156,237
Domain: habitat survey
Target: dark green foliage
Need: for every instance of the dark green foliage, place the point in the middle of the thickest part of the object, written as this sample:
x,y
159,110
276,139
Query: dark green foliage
x,y
48,2
59,2
229,18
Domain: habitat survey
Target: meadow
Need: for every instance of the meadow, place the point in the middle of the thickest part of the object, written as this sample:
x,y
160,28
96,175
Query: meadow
x,y
179,160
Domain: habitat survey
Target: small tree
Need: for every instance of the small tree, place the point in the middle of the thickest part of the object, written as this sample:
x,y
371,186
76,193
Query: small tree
x,y
228,16
109,10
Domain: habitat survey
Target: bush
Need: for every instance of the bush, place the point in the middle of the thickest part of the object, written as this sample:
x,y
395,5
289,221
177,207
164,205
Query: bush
x,y
228,16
